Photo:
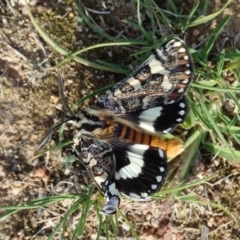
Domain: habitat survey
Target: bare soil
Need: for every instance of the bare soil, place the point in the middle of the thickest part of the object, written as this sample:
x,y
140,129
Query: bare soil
x,y
29,105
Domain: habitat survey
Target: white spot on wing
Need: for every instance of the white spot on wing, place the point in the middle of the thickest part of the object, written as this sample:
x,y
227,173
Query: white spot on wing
x,y
134,195
182,105
148,117
112,189
182,50
134,168
180,90
92,162
159,178
147,126
144,195
161,153
167,130
170,102
177,43
182,112
162,169
139,148
101,179
154,186
156,66
134,83
145,101
166,84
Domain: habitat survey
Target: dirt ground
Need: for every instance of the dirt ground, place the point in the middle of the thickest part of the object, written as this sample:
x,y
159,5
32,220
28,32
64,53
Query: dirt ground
x,y
29,105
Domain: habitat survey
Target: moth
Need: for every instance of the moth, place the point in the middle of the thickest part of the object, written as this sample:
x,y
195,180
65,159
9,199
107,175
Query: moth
x,y
117,138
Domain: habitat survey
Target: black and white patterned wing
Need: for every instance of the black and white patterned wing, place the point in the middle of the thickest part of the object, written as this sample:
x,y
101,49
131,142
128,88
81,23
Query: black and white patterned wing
x,y
136,170
161,119
140,172
98,159
161,80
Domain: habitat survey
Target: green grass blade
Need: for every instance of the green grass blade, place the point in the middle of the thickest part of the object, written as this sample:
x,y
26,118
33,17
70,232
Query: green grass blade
x,y
69,55
178,188
196,200
62,223
223,152
86,206
186,159
80,8
130,225
230,130
117,69
205,85
59,146
205,19
214,35
35,204
212,122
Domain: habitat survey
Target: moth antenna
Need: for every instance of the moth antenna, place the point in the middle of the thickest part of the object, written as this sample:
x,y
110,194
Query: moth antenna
x,y
66,107
44,140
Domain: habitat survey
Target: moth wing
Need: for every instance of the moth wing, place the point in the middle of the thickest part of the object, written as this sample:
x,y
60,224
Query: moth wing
x,y
140,170
136,170
112,196
161,119
98,158
162,79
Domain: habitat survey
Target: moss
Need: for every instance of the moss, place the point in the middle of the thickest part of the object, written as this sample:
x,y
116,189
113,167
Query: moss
x,y
59,25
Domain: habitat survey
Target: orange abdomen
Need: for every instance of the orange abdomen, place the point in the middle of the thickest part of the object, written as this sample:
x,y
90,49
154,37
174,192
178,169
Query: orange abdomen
x,y
173,147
